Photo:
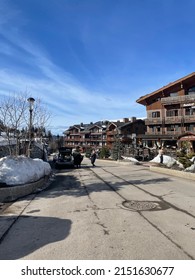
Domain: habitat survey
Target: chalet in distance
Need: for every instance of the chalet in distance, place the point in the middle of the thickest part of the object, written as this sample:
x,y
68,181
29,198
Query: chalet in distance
x,y
171,113
104,133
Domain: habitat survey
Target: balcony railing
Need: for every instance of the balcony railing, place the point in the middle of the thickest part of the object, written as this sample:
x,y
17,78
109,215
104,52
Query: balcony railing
x,y
178,132
153,121
153,133
178,99
112,132
189,118
170,120
176,119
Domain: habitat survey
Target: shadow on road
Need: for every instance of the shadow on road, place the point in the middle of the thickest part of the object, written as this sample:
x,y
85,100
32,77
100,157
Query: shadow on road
x,y
36,233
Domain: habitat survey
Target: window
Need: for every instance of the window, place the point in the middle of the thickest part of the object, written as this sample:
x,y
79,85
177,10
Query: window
x,y
190,111
191,91
177,127
156,129
170,128
190,127
172,113
172,94
156,114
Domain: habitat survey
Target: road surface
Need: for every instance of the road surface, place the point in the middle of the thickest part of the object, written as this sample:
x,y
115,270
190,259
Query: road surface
x,y
108,212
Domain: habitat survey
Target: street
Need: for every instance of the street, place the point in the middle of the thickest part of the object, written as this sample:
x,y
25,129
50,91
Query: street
x,y
108,212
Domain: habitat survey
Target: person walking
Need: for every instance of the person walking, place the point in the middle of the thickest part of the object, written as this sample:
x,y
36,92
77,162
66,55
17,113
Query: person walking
x,y
77,157
161,152
93,157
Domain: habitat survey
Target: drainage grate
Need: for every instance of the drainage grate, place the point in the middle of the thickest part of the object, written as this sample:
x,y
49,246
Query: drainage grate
x,y
140,205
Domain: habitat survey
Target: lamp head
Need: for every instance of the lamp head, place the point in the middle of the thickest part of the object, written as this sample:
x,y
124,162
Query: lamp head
x,y
31,101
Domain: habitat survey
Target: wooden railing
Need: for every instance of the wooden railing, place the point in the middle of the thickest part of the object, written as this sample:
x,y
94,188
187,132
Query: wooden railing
x,y
178,99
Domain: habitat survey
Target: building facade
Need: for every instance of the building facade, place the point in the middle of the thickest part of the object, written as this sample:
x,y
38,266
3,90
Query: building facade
x,y
101,134
129,131
171,113
86,135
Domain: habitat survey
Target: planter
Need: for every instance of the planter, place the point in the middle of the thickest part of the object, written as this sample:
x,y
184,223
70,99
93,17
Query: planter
x,y
11,193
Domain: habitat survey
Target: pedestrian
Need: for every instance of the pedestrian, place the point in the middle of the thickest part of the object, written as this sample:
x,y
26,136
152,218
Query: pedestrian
x,y
161,152
77,157
93,157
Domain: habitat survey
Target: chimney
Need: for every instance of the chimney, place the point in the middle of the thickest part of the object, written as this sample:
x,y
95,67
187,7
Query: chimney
x,y
133,119
125,120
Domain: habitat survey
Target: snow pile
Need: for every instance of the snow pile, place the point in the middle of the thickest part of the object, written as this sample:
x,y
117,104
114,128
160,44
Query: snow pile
x,y
130,159
191,168
192,159
22,170
167,160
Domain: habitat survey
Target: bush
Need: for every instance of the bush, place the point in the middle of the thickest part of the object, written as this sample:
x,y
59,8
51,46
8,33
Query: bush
x,y
104,153
185,161
191,155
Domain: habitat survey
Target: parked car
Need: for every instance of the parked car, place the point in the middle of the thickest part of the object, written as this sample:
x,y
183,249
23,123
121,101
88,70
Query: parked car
x,y
65,158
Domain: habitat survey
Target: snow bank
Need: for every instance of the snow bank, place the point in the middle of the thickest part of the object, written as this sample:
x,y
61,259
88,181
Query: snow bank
x,y
130,159
22,170
167,160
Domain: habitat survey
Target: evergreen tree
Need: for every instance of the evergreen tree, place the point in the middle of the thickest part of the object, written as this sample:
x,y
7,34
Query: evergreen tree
x,y
117,148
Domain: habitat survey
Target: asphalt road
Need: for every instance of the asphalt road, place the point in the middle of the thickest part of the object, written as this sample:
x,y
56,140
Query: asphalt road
x,y
107,212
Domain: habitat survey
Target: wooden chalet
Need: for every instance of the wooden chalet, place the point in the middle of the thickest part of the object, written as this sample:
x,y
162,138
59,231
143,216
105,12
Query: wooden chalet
x,y
171,113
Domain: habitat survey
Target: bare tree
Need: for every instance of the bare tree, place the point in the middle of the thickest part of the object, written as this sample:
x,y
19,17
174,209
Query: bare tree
x,y
41,117
14,117
12,111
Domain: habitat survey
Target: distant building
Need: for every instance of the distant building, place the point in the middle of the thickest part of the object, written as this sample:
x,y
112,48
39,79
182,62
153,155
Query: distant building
x,y
129,131
86,135
104,133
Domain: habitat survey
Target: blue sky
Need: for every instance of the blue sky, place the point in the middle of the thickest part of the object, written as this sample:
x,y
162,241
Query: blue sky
x,y
90,60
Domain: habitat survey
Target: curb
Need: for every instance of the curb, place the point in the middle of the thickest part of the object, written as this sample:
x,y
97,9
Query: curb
x,y
172,172
153,168
12,193
120,162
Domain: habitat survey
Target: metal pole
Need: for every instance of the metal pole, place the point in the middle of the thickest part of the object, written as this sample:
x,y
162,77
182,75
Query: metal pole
x,y
30,128
31,102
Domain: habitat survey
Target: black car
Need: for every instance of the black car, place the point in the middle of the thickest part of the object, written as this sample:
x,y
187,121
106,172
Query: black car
x,y
65,158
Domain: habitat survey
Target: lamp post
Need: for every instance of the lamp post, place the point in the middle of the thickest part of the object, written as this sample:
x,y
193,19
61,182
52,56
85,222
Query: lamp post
x,y
31,101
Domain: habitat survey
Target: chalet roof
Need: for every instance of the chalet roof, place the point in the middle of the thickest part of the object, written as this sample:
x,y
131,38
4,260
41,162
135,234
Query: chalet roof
x,y
117,123
131,123
180,82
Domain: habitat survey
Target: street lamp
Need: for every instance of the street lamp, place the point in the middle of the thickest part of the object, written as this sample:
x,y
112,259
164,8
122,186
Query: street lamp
x,y
31,101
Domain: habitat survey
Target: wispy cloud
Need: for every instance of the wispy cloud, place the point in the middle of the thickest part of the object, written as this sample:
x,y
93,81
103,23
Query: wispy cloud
x,y
69,100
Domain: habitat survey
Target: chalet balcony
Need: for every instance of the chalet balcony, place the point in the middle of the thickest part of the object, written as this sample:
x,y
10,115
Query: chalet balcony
x,y
189,118
72,139
172,120
153,133
178,99
178,132
111,133
154,121
96,133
